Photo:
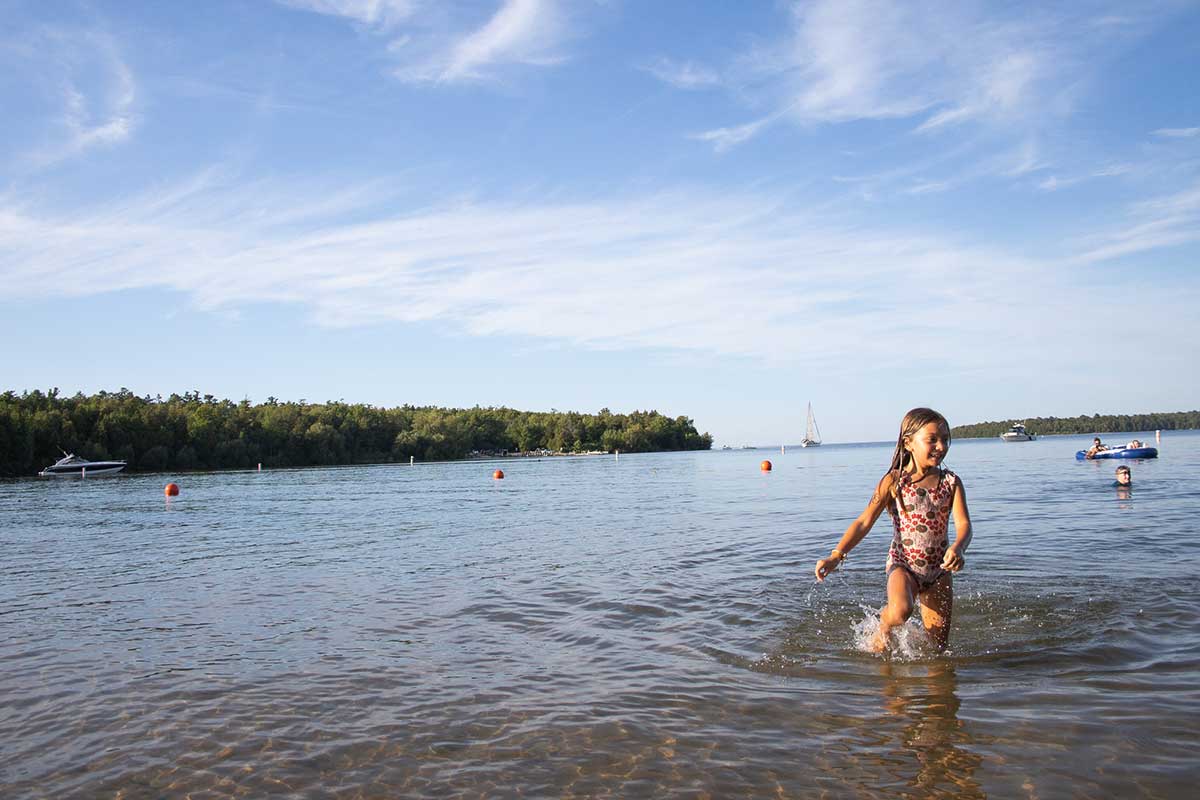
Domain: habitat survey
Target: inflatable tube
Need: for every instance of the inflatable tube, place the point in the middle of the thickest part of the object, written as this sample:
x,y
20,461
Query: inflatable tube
x,y
1122,452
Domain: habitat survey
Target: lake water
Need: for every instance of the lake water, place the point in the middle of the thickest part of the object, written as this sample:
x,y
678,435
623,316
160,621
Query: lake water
x,y
594,627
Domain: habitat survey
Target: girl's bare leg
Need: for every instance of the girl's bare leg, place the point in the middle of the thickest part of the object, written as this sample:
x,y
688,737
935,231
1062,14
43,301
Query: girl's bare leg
x,y
937,605
902,591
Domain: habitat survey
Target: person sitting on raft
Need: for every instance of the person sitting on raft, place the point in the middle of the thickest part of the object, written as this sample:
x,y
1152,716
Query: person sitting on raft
x,y
1096,447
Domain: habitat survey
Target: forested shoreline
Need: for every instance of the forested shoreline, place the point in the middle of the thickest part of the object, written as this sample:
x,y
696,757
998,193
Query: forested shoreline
x,y
192,431
1096,423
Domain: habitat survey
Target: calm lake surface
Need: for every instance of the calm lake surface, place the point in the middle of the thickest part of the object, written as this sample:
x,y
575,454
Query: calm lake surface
x,y
593,627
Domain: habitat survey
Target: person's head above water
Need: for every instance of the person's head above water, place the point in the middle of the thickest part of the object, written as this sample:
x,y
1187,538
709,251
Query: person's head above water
x,y
923,442
1124,475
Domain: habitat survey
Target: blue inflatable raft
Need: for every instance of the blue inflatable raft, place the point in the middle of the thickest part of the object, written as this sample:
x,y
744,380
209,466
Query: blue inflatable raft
x,y
1122,452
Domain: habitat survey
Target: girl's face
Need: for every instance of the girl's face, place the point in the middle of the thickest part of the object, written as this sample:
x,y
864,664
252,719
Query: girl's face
x,y
929,445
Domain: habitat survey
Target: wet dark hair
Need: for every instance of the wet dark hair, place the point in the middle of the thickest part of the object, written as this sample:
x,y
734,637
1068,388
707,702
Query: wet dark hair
x,y
913,421
1123,468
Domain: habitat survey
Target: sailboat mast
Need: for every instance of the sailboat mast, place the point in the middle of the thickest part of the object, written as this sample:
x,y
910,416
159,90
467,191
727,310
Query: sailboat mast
x,y
812,434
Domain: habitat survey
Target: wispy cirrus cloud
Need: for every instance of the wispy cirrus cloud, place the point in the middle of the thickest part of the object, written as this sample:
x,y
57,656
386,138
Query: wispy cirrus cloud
x,y
1177,133
440,44
724,139
520,32
383,13
698,271
683,74
1055,182
1159,222
941,66
92,93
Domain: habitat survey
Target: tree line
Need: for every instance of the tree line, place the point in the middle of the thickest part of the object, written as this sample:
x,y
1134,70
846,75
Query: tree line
x,y
1096,423
202,432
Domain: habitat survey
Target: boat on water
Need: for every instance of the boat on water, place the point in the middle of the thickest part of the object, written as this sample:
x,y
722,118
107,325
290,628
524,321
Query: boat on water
x,y
71,465
1017,433
812,435
1120,452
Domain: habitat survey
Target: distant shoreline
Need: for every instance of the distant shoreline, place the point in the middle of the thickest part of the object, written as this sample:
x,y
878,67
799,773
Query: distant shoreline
x,y
1084,424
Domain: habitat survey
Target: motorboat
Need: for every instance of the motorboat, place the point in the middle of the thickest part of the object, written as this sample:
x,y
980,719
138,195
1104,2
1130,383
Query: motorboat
x,y
812,435
1120,452
1017,434
71,465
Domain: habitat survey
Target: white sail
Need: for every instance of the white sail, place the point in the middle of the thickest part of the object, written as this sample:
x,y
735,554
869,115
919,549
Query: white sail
x,y
812,435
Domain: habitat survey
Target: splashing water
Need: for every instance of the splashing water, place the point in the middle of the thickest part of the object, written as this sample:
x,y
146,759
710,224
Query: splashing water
x,y
909,642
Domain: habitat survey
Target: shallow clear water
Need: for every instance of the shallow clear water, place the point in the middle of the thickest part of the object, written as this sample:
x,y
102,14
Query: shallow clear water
x,y
593,627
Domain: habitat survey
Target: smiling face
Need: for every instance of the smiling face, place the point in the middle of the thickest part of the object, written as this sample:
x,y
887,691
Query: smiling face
x,y
1124,477
928,446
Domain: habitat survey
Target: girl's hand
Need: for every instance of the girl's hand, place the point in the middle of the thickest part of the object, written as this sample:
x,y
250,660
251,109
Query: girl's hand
x,y
826,566
953,560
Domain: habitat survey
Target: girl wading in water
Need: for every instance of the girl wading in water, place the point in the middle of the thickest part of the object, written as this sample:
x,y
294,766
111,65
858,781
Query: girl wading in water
x,y
921,496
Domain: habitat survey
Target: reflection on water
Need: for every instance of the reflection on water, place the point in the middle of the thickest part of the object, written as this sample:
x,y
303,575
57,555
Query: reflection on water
x,y
933,741
589,628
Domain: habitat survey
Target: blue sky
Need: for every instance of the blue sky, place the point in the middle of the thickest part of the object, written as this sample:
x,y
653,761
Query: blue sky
x,y
723,210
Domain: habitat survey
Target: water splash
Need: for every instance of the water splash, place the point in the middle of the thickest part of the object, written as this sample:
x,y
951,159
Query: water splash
x,y
909,642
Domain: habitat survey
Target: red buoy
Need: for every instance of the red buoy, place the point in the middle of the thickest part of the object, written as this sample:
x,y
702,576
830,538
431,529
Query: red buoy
x,y
498,474
171,489
765,466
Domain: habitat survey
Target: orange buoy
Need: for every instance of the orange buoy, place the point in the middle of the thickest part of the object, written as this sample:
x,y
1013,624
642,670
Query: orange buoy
x,y
765,466
498,474
171,489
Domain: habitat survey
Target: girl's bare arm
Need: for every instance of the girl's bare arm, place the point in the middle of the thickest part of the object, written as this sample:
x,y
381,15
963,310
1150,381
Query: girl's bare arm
x,y
859,528
954,560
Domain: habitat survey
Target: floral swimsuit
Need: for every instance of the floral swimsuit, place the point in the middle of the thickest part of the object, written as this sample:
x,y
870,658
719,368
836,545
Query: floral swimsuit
x,y
919,543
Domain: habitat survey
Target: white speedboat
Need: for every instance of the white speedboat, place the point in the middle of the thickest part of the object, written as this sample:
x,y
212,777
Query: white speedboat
x,y
1017,434
812,436
72,465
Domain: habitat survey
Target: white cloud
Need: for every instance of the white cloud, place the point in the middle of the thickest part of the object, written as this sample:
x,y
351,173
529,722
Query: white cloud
x,y
522,32
683,75
689,270
1001,89
726,138
434,44
383,13
848,58
95,89
1177,133
930,187
1166,221
941,65
1056,182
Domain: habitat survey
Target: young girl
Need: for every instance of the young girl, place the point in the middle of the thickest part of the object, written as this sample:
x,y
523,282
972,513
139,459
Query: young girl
x,y
920,496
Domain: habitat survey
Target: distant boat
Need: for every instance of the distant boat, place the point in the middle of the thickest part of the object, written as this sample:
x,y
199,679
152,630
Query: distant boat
x,y
1017,434
72,465
812,436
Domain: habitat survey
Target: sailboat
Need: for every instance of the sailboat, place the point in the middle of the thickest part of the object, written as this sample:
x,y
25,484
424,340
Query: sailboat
x,y
812,436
